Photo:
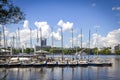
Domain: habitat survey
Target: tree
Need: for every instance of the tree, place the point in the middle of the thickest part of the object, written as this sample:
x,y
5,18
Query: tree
x,y
66,51
117,52
107,51
9,13
51,51
27,50
95,50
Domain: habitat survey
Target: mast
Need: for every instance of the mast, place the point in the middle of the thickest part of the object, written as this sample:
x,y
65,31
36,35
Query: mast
x,y
81,38
77,45
37,37
4,36
11,47
6,43
37,42
89,43
19,39
13,38
97,41
52,43
16,41
81,43
62,43
72,38
30,41
13,41
40,38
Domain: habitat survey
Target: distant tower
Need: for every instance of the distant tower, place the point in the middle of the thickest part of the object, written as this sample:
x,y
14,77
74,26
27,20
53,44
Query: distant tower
x,y
44,42
117,47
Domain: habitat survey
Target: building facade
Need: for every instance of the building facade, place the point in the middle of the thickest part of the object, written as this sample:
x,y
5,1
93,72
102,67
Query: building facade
x,y
43,42
117,47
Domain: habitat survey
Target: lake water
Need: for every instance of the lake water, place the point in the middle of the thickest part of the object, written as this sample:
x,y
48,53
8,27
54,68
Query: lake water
x,y
65,73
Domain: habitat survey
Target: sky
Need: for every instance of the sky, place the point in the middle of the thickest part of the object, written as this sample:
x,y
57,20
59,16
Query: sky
x,y
101,17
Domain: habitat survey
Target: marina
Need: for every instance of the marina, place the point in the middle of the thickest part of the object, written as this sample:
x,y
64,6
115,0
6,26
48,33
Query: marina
x,y
64,72
57,62
59,40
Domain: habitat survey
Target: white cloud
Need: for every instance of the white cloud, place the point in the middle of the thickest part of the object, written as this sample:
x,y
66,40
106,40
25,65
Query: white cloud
x,y
65,26
56,35
26,24
112,38
58,30
67,46
45,28
80,35
25,33
75,41
12,34
116,8
6,33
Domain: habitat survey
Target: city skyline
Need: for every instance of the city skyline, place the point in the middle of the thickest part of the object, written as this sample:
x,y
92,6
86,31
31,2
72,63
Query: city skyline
x,y
99,16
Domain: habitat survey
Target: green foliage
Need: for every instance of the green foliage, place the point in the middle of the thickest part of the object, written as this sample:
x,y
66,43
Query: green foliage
x,y
27,50
95,50
86,50
16,51
9,13
105,51
117,52
46,49
102,51
51,50
67,51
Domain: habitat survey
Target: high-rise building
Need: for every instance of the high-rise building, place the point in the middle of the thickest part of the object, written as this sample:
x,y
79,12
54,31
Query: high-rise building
x,y
42,45
44,42
117,47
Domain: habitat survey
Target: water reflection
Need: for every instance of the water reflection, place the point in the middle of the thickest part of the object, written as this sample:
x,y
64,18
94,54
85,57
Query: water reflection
x,y
63,73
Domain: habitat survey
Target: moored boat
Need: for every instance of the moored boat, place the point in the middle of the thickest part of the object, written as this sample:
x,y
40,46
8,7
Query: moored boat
x,y
62,63
73,63
82,62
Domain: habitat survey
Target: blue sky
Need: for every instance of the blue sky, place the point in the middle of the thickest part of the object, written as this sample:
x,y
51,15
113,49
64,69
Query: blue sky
x,y
85,14
80,12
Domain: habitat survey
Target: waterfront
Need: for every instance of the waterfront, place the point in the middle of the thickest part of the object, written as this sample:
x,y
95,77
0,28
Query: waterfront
x,y
65,73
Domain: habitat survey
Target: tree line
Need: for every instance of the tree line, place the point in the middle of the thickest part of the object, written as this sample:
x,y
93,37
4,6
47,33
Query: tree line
x,y
71,51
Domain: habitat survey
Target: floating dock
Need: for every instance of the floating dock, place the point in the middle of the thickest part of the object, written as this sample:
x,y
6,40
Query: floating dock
x,y
56,64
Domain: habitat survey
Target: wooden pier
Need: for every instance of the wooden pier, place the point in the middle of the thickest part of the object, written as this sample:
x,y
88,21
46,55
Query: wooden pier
x,y
56,64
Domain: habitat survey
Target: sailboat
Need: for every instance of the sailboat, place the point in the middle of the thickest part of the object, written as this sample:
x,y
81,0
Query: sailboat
x,y
94,61
72,62
81,61
97,61
62,62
